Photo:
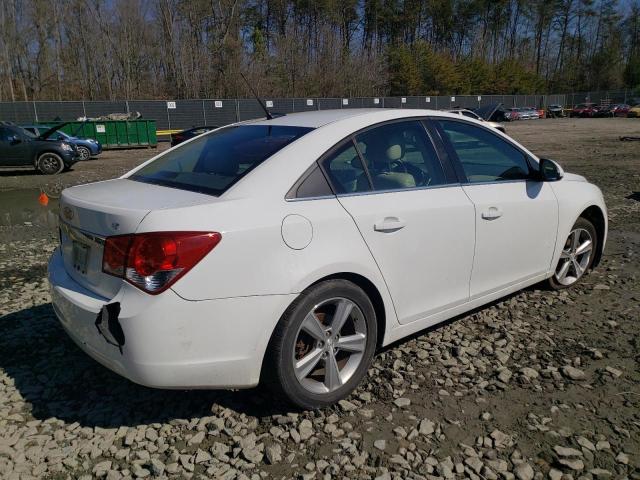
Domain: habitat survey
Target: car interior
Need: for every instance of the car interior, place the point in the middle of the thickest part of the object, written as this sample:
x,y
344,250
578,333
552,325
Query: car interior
x,y
397,156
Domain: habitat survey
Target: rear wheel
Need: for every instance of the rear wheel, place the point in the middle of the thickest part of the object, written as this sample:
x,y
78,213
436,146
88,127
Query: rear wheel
x,y
323,345
577,255
50,163
84,153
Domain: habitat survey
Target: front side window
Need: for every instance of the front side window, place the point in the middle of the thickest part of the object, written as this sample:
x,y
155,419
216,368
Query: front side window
x,y
212,163
485,157
400,155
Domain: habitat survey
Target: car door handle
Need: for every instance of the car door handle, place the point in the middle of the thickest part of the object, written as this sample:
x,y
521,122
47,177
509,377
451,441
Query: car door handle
x,y
389,224
492,213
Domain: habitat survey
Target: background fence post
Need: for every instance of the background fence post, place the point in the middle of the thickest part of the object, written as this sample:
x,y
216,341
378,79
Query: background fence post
x,y
237,110
204,113
84,110
35,111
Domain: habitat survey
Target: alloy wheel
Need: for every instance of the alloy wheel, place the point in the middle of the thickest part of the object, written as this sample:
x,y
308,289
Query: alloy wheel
x,y
84,153
50,164
329,346
575,257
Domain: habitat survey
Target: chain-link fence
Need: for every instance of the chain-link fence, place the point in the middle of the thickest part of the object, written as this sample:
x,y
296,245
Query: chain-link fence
x,y
181,114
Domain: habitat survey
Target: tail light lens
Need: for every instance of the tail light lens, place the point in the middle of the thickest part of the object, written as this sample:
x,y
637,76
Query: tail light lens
x,y
155,261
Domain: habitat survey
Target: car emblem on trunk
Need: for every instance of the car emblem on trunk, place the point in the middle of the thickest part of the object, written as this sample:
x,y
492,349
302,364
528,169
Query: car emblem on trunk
x,y
67,213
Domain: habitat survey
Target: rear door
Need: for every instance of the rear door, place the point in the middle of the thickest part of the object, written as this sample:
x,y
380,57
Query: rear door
x,y
414,217
516,215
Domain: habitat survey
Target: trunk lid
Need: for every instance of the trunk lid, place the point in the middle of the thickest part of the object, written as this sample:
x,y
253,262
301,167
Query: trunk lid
x,y
90,213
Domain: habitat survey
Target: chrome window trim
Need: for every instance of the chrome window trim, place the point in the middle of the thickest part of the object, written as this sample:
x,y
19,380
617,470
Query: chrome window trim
x,y
397,190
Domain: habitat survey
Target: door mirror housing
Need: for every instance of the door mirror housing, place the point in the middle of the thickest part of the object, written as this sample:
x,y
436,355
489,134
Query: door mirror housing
x,y
549,170
15,139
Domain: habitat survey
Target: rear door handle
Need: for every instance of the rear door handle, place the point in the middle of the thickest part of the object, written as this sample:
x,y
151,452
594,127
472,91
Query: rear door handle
x,y
389,224
492,213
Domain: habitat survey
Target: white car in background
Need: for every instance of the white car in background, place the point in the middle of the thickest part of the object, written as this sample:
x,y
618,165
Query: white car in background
x,y
288,250
470,114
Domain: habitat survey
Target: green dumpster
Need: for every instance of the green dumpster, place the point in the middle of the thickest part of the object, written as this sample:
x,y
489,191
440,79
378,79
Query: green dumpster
x,y
115,133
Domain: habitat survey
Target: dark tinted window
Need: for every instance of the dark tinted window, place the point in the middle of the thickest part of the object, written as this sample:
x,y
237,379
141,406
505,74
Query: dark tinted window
x,y
400,155
485,157
313,185
5,134
345,170
212,163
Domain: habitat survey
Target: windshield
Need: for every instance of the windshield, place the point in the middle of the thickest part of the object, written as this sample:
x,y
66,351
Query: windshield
x,y
212,163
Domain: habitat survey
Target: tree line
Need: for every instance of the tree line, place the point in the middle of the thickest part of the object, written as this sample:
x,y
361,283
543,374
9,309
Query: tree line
x,y
158,49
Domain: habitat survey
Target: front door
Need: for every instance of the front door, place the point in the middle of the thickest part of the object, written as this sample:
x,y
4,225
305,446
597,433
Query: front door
x,y
516,215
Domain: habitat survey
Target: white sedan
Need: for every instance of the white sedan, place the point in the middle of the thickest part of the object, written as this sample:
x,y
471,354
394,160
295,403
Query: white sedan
x,y
288,250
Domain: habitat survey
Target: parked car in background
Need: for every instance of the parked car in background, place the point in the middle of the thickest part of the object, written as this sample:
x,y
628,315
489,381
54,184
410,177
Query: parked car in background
x,y
585,110
512,114
555,111
604,111
529,113
634,111
470,114
87,147
177,138
21,148
621,110
288,250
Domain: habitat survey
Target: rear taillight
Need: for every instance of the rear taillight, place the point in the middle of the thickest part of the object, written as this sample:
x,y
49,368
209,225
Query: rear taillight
x,y
154,261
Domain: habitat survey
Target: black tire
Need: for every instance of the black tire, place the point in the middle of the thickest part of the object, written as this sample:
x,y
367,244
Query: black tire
x,y
279,372
84,153
50,163
555,281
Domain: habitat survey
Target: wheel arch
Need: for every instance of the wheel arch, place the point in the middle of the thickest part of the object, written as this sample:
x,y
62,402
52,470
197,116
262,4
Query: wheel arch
x,y
372,292
361,281
596,216
39,154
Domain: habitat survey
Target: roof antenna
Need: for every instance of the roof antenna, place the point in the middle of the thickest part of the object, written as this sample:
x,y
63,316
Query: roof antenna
x,y
262,104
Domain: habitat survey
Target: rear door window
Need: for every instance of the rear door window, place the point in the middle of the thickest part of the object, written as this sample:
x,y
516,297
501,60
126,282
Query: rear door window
x,y
213,163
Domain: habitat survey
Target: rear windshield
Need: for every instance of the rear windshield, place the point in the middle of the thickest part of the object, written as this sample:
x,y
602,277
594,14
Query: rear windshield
x,y
212,163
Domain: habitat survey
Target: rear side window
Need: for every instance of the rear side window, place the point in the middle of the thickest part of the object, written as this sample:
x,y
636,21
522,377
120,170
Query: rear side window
x,y
213,163
485,157
345,170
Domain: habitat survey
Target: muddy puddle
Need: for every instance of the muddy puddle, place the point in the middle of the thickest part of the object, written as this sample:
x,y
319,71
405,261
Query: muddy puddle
x,y
30,207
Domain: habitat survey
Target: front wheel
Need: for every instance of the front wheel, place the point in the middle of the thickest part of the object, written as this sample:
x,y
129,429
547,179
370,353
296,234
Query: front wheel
x,y
577,255
50,163
323,345
84,153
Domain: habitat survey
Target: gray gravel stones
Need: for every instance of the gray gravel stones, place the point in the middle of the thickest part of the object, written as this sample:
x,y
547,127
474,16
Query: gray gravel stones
x,y
573,373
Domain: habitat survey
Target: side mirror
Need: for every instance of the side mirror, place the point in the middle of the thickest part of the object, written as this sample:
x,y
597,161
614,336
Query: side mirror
x,y
549,170
14,140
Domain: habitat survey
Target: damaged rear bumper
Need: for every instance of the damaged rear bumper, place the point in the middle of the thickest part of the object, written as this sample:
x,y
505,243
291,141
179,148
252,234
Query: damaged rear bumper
x,y
166,341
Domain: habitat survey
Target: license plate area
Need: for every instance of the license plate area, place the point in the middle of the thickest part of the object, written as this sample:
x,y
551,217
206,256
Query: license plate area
x,y
80,256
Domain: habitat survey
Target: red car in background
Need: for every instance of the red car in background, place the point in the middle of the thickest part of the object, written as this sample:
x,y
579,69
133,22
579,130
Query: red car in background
x,y
621,110
584,110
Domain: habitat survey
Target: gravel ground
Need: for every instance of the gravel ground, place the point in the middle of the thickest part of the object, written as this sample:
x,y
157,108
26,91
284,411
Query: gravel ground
x,y
539,385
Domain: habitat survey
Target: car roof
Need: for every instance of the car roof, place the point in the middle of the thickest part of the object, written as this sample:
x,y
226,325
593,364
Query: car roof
x,y
320,118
